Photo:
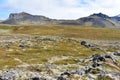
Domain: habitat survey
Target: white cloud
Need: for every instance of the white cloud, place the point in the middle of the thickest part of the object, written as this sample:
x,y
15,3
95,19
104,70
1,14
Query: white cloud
x,y
66,9
70,2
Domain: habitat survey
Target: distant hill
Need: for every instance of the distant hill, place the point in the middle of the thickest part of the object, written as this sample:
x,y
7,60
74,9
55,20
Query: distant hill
x,y
25,18
1,20
117,17
100,20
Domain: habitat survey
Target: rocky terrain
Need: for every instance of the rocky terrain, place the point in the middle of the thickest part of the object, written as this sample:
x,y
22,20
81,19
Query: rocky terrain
x,y
58,58
97,20
59,53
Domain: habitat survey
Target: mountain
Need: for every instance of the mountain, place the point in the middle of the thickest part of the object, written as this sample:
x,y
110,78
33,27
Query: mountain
x,y
23,18
117,17
0,20
99,19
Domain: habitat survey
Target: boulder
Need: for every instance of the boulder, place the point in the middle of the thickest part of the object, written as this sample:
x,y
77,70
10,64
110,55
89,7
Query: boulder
x,y
35,78
117,53
89,45
98,58
111,56
83,42
94,65
22,46
61,78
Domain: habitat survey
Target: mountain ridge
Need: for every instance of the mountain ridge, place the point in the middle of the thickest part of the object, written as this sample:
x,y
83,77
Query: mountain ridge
x,y
96,19
23,17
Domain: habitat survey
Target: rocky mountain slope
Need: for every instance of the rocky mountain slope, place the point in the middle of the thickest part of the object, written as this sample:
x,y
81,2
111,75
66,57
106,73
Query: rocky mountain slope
x,y
99,19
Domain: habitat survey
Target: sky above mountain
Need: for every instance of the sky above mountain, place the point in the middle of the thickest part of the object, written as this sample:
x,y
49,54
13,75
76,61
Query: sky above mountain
x,y
60,9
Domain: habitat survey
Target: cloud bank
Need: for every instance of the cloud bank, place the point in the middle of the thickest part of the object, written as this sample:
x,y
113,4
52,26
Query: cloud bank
x,y
65,9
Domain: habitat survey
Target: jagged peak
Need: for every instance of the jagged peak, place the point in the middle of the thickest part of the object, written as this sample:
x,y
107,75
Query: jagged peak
x,y
15,15
100,15
21,13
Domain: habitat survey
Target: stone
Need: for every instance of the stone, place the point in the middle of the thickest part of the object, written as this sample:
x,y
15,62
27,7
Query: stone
x,y
61,78
94,65
83,42
79,71
66,73
108,56
101,59
111,56
35,78
98,58
117,53
87,69
22,46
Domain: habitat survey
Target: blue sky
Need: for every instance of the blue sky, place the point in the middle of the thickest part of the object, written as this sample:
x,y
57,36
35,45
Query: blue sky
x,y
4,9
59,9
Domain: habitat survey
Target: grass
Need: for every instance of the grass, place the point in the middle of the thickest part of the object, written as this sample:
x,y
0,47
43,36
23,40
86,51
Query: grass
x,y
65,62
39,54
6,27
66,31
8,63
77,32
